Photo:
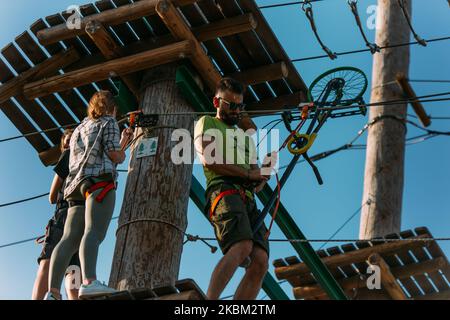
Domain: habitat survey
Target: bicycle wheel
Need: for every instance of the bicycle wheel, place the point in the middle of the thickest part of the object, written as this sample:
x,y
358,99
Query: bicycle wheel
x,y
354,85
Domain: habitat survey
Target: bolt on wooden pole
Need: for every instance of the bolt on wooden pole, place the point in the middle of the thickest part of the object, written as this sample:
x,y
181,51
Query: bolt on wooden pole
x,y
383,180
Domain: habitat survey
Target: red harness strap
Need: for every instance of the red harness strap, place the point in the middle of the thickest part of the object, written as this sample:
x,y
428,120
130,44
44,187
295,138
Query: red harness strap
x,y
221,196
107,186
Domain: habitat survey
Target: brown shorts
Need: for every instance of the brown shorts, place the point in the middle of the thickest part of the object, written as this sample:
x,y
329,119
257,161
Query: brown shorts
x,y
233,219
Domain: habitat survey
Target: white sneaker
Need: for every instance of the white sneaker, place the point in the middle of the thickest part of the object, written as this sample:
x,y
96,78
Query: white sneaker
x,y
95,289
50,296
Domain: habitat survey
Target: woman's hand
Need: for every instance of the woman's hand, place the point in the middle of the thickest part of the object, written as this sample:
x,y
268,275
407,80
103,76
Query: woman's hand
x,y
126,137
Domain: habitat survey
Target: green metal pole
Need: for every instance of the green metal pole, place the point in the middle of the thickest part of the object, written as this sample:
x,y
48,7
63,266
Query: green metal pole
x,y
304,249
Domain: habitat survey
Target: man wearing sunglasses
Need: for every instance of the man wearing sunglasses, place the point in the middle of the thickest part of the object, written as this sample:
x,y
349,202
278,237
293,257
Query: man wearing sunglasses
x,y
230,193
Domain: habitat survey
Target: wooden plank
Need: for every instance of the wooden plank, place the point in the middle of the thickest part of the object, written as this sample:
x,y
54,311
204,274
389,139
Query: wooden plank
x,y
423,281
355,256
58,19
347,270
56,109
121,66
403,83
110,49
85,91
281,102
36,113
47,68
444,295
155,22
225,27
165,290
179,29
13,113
89,10
186,295
273,46
279,263
262,74
37,56
189,284
355,282
408,283
117,16
388,281
434,250
253,45
122,30
234,47
140,27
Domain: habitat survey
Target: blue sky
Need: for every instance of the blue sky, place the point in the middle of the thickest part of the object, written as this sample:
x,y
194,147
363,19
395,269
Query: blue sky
x,y
318,210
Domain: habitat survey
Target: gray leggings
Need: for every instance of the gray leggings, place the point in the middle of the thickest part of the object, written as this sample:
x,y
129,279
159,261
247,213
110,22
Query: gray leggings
x,y
84,230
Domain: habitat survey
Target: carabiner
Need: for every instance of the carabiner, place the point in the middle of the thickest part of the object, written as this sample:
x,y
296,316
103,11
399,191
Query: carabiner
x,y
292,144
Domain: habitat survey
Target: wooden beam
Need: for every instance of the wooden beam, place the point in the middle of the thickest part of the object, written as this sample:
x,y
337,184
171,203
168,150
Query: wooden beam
x,y
351,257
411,270
185,295
53,64
108,18
388,280
262,74
179,29
226,27
403,83
442,295
116,67
110,49
286,101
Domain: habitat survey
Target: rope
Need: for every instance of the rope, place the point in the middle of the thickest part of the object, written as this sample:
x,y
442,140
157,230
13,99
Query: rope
x,y
307,8
401,3
149,220
285,4
24,200
373,47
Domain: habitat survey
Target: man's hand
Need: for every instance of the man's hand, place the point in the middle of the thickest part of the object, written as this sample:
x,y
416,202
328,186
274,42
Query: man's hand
x,y
260,186
256,175
269,163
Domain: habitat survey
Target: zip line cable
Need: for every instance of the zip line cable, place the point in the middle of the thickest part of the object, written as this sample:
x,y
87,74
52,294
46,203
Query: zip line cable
x,y
368,50
269,6
265,113
24,200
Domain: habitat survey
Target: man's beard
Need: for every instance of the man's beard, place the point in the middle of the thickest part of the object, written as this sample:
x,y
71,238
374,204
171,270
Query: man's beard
x,y
230,120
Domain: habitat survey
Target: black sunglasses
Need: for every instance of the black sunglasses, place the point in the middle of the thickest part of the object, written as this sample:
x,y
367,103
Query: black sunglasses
x,y
233,105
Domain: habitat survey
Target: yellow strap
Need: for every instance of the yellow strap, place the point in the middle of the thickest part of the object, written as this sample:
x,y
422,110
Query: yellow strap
x,y
309,138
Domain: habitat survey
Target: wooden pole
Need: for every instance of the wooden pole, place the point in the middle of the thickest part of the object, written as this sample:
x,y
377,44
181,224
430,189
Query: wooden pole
x,y
383,181
153,216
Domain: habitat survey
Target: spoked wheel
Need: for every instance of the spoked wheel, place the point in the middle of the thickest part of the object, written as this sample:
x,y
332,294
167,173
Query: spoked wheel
x,y
348,84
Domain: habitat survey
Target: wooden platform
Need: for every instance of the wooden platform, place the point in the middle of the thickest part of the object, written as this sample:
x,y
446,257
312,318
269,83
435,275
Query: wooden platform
x,y
49,73
416,270
185,289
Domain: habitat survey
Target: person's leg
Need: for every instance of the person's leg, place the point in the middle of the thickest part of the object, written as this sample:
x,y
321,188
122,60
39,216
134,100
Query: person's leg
x,y
254,275
98,217
41,283
227,266
63,252
71,290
